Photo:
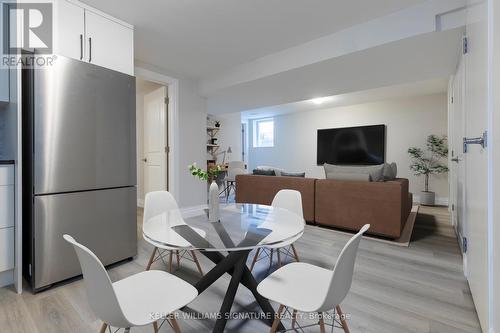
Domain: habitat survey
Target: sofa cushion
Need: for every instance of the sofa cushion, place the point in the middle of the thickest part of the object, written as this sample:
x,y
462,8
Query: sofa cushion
x,y
293,174
264,172
361,177
375,171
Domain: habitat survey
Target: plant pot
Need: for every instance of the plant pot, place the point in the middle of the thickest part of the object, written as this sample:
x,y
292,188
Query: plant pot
x,y
427,198
213,202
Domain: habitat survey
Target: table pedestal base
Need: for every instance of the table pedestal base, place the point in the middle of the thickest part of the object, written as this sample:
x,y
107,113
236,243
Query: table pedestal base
x,y
235,265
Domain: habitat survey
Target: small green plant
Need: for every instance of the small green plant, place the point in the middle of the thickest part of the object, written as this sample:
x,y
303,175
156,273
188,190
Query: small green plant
x,y
211,173
429,162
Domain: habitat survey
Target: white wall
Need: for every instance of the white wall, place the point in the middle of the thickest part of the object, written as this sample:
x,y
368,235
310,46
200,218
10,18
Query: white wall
x,y
409,121
191,137
229,136
142,88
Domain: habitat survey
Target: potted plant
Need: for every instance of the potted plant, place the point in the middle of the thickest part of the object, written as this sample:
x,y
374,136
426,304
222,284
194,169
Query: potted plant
x,y
429,163
213,192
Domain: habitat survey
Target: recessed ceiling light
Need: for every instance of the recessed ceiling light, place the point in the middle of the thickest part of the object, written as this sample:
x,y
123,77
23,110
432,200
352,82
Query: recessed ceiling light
x,y
321,100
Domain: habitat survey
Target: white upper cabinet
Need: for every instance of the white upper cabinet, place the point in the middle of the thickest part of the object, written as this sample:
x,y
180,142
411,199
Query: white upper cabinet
x,y
85,34
109,44
69,30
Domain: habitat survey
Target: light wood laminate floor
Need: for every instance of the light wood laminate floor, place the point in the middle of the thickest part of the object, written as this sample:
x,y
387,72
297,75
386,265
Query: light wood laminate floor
x,y
395,289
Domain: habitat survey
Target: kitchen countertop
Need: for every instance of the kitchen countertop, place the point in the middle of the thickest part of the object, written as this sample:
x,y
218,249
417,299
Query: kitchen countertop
x,y
2,162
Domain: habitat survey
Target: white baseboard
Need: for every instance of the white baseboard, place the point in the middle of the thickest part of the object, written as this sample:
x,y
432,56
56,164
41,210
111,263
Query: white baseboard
x,y
6,278
440,201
192,211
140,203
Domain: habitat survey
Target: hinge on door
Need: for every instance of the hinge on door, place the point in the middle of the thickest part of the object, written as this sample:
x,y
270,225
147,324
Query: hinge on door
x,y
464,244
166,100
167,149
465,45
29,269
451,99
453,207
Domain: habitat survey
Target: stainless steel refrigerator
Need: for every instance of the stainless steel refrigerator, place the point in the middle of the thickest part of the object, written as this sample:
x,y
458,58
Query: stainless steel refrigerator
x,y
79,168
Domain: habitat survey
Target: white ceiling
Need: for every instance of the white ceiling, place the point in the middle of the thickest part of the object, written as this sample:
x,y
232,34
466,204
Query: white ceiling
x,y
204,37
420,88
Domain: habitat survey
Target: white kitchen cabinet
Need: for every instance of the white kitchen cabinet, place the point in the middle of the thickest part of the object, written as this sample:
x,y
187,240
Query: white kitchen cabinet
x,y
6,249
109,44
69,30
7,253
4,85
86,34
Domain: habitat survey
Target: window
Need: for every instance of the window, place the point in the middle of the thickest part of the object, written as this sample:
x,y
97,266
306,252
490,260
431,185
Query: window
x,y
263,133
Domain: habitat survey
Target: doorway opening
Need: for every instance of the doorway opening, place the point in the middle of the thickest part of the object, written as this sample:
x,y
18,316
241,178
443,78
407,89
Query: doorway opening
x,y
153,146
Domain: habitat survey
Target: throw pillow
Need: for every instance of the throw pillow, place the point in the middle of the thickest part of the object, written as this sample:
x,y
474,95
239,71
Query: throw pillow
x,y
293,174
390,171
264,172
277,171
361,177
375,171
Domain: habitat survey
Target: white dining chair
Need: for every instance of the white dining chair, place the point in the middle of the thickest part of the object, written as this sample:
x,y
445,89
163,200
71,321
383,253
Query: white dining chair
x,y
234,168
137,300
292,201
161,202
311,289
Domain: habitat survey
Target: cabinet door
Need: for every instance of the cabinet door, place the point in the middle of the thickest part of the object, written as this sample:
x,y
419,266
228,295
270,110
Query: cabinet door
x,y
109,43
7,206
4,85
6,249
69,30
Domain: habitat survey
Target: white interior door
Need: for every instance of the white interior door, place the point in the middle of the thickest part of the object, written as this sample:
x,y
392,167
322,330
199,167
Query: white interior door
x,y
476,159
457,165
155,141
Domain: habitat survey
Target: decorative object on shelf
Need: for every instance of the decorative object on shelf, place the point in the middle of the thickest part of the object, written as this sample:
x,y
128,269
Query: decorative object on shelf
x,y
217,124
429,163
213,192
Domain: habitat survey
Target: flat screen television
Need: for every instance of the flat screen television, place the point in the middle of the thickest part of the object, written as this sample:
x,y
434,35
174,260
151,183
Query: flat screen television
x,y
364,145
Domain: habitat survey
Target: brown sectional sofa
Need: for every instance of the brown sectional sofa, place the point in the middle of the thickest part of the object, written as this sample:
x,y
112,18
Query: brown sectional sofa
x,y
336,203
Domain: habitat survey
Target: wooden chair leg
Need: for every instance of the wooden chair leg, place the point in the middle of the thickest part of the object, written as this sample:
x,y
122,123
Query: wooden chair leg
x,y
171,254
342,319
277,320
295,253
178,259
321,323
294,318
278,253
155,327
103,328
197,262
175,325
151,259
255,259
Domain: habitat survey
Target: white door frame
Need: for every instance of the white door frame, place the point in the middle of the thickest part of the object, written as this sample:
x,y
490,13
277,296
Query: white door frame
x,y
173,122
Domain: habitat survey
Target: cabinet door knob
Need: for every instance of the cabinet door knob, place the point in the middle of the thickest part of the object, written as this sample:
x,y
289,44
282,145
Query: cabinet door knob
x,y
144,160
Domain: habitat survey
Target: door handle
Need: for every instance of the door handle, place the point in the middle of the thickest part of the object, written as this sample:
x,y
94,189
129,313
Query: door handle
x,y
81,47
90,49
482,140
456,160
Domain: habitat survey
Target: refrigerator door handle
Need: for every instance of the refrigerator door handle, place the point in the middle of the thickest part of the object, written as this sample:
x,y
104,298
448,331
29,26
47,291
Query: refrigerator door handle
x,y
90,49
81,47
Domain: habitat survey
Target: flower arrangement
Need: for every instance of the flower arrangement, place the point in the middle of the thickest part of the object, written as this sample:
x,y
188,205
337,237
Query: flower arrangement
x,y
211,173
